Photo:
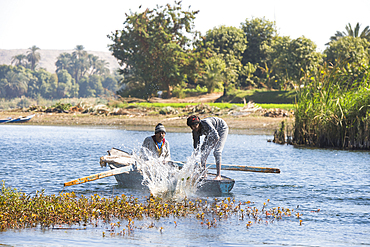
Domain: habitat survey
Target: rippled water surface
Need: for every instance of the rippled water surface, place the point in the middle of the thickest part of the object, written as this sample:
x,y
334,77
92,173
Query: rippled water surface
x,y
335,181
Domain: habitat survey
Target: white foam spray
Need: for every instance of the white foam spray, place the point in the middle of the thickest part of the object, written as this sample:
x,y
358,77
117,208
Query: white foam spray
x,y
165,179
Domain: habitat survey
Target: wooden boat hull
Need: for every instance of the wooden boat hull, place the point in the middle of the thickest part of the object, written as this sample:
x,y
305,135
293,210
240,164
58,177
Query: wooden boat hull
x,y
211,186
133,179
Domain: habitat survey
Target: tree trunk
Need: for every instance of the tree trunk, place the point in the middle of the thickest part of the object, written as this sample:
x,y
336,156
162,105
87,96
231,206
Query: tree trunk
x,y
169,91
225,89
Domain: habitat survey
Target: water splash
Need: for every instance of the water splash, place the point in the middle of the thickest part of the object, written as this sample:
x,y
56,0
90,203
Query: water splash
x,y
165,179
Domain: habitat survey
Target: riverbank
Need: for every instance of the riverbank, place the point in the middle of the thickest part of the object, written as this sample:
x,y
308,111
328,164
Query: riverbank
x,y
244,124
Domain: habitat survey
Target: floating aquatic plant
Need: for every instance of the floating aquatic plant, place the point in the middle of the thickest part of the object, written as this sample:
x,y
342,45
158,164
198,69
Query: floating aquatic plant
x,y
19,210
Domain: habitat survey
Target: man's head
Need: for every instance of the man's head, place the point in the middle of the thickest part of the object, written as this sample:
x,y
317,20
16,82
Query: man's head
x,y
193,122
160,132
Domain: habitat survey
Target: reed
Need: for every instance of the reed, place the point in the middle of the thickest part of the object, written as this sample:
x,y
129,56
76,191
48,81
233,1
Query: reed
x,y
333,108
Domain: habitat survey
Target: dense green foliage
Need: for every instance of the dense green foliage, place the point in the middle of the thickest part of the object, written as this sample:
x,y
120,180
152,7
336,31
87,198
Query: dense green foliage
x,y
252,56
80,64
229,44
288,60
155,51
350,50
261,96
214,74
260,33
333,108
77,75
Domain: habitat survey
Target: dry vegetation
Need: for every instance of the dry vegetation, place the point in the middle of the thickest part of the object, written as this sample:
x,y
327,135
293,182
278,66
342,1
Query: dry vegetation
x,y
249,119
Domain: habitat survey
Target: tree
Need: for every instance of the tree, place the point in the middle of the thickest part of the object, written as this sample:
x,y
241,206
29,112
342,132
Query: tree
x,y
259,32
33,56
65,84
365,33
33,87
349,50
19,60
15,84
79,52
154,49
80,63
214,73
63,61
97,66
229,43
4,69
110,83
288,60
89,87
95,84
49,85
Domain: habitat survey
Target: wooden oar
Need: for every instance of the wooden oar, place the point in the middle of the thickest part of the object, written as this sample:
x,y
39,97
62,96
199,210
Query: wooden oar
x,y
238,168
244,168
99,175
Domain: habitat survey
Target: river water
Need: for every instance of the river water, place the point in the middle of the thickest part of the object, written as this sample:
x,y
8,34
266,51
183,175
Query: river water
x,y
330,188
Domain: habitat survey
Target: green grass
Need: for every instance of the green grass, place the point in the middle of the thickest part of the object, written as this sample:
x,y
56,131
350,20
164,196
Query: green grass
x,y
281,106
261,96
219,105
265,99
183,105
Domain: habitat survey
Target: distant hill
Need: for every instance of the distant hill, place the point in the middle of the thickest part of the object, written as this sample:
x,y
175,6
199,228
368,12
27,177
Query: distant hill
x,y
49,57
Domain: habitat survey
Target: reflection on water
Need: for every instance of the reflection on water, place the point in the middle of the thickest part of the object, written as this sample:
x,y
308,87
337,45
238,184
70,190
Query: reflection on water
x,y
334,181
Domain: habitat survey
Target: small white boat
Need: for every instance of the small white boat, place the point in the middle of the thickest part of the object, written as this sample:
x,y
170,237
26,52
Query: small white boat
x,y
17,120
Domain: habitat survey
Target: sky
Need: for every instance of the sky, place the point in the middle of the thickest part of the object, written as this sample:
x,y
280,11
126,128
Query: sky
x,y
64,24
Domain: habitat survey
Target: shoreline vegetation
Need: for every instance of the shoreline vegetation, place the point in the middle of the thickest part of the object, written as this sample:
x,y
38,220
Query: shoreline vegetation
x,y
321,98
247,118
333,110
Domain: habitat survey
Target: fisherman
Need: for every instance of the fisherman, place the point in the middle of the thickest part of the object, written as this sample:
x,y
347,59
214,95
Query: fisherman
x,y
215,130
157,144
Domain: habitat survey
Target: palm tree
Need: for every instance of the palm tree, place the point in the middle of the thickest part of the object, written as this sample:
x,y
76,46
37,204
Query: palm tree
x,y
353,33
79,52
19,60
79,63
102,67
92,62
63,61
16,84
214,73
33,56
